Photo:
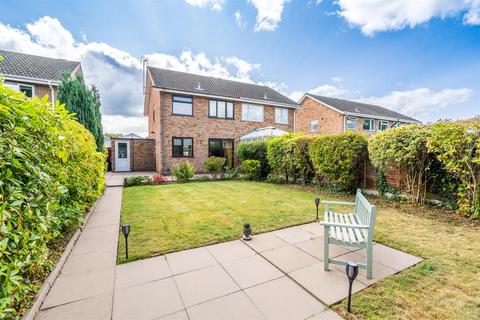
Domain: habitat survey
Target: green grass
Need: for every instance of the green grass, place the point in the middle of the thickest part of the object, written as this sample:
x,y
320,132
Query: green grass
x,y
444,286
173,217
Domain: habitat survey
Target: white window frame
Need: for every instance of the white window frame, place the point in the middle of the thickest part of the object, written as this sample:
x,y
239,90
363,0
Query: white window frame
x,y
354,119
16,87
381,123
372,125
312,123
278,116
246,112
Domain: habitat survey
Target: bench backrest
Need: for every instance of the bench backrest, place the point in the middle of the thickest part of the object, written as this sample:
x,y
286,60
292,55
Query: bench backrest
x,y
364,211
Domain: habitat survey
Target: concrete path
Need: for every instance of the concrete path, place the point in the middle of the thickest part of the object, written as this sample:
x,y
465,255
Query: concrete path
x,y
277,275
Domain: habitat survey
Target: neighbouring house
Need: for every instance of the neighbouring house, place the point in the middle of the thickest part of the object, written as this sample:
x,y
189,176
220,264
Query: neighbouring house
x,y
35,75
192,117
323,115
131,152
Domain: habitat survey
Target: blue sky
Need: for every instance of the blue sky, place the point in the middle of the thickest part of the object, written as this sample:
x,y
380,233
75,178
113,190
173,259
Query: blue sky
x,y
422,60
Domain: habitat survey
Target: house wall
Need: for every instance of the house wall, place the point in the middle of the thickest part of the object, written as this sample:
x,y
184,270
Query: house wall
x,y
40,90
199,127
142,154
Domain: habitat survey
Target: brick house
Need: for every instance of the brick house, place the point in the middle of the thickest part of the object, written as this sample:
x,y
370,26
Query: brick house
x,y
35,75
324,115
192,117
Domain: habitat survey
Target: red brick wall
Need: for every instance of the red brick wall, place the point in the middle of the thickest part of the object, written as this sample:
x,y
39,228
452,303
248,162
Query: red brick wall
x,y
142,153
199,127
367,176
329,120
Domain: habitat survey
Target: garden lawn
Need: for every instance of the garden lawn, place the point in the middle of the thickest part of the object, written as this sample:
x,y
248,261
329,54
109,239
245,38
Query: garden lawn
x,y
174,217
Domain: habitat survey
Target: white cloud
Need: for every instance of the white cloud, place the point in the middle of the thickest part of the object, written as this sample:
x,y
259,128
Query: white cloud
x,y
422,101
384,15
337,79
116,73
239,20
215,5
269,13
327,90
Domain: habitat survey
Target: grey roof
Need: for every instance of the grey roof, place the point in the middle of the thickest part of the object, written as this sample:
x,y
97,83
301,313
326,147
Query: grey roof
x,y
353,107
197,84
35,67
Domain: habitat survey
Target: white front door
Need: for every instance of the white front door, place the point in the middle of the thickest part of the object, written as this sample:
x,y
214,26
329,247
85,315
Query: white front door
x,y
122,155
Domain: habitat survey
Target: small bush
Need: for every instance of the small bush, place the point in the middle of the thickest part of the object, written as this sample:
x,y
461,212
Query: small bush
x,y
252,168
214,165
336,158
137,181
202,178
232,173
159,179
183,171
255,150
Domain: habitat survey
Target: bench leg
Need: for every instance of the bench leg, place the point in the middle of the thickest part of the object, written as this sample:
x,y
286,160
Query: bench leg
x,y
369,259
325,249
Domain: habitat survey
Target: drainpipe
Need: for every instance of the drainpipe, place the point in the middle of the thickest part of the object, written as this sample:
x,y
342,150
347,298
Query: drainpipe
x,y
295,120
344,122
162,130
52,93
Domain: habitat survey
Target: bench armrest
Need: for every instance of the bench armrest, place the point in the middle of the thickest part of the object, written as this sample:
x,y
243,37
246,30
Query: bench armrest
x,y
354,226
339,203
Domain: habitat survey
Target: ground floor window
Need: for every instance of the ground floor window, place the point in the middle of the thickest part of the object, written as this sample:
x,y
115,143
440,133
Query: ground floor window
x,y
182,147
221,148
382,125
351,123
368,125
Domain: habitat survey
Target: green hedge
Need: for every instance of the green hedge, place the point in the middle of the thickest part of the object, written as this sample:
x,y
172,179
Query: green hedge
x,y
255,150
50,174
336,158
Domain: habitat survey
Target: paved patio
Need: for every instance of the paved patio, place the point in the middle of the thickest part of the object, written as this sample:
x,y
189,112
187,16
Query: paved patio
x,y
277,275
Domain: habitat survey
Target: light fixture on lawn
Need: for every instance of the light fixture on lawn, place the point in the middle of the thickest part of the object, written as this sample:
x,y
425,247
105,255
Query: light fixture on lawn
x,y
247,231
317,203
351,269
126,231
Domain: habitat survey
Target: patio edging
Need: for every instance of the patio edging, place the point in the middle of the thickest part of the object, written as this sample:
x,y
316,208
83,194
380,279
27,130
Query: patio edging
x,y
52,277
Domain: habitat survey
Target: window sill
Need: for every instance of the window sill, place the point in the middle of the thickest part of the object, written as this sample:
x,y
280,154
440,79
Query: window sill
x,y
259,121
181,115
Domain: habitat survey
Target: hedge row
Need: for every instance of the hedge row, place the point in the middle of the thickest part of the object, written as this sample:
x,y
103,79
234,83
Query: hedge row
x,y
50,174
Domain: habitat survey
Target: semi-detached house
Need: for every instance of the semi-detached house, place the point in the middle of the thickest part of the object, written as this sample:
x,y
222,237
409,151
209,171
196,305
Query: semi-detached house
x,y
192,117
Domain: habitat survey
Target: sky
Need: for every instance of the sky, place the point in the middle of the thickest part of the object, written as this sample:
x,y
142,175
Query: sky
x,y
420,58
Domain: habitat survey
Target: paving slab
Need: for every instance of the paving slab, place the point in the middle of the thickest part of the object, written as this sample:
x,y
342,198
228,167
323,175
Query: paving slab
x,y
293,235
148,301
315,228
314,247
189,260
328,286
89,262
94,308
250,271
230,250
204,284
284,299
182,315
393,258
289,258
141,271
326,315
265,241
235,306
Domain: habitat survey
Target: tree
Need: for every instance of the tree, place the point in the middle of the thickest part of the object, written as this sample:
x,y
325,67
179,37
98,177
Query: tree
x,y
84,103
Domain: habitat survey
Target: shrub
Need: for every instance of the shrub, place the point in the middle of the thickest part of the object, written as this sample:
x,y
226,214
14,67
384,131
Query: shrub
x,y
336,158
159,179
214,165
298,147
137,181
183,171
457,146
279,160
252,168
255,150
50,174
404,148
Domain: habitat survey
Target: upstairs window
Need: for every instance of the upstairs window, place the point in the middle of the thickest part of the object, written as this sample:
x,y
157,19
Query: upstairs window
x,y
182,147
382,125
281,115
314,126
182,105
220,109
368,125
252,112
351,123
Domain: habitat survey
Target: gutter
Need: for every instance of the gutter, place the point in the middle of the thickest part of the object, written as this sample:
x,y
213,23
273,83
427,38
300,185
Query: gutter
x,y
32,80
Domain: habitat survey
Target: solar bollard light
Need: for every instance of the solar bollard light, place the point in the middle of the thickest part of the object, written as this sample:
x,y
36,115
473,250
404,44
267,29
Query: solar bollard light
x,y
247,231
317,203
126,231
351,269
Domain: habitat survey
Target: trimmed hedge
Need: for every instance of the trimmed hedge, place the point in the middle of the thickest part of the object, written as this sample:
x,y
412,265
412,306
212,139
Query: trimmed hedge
x,y
50,174
336,158
255,150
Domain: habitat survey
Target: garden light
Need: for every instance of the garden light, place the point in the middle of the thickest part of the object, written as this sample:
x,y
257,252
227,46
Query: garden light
x,y
247,231
126,231
317,203
351,269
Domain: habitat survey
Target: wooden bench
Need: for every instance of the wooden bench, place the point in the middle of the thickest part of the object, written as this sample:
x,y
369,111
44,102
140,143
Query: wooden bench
x,y
354,230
